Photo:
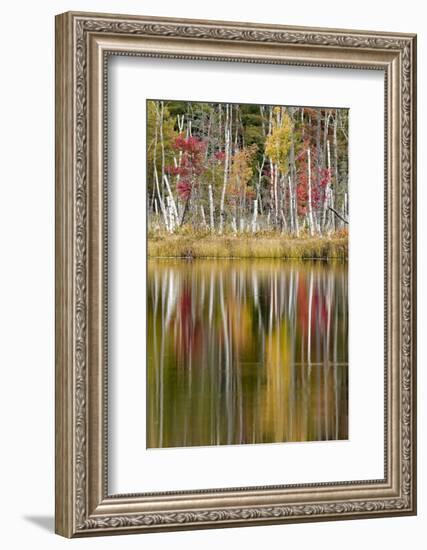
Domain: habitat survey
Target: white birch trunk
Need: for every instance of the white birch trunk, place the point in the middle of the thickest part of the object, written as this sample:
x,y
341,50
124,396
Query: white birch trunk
x,y
327,198
254,216
227,159
180,120
284,225
336,184
272,175
171,215
202,211
162,143
291,208
155,174
282,203
211,208
172,200
258,187
162,204
310,204
276,200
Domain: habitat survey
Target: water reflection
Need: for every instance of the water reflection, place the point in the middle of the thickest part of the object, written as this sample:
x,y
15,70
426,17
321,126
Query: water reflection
x,y
246,351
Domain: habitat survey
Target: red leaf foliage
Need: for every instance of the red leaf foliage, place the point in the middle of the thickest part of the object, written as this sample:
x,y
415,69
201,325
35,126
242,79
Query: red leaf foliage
x,y
318,184
192,163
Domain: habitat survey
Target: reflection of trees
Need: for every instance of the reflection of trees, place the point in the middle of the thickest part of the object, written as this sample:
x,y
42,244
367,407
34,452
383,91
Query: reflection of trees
x,y
246,352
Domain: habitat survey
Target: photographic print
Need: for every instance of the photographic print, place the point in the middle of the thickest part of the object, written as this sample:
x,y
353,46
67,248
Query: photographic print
x,y
247,307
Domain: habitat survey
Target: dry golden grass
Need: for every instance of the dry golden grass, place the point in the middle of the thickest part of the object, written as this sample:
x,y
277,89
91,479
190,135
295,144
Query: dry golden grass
x,y
205,245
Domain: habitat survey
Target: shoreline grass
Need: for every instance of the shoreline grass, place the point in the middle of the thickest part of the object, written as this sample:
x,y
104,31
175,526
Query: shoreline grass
x,y
206,245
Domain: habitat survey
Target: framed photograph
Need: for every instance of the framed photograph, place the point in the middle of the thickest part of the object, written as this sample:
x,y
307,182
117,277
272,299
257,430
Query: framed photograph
x,y
235,274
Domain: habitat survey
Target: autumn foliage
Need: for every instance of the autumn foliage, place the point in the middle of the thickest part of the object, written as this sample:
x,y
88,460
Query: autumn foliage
x,y
191,165
247,168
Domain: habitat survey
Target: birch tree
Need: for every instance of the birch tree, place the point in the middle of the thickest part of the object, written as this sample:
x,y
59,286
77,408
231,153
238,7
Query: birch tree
x,y
246,168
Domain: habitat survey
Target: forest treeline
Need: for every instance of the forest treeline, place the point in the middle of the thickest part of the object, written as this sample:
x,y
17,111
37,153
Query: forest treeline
x,y
245,169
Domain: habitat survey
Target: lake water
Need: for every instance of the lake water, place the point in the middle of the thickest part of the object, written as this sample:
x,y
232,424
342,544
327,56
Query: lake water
x,y
246,351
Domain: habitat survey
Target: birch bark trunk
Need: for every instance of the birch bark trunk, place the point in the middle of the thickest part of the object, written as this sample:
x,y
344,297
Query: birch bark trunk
x,y
310,203
293,173
227,160
162,143
156,175
327,197
172,200
291,207
254,217
211,208
336,183
272,176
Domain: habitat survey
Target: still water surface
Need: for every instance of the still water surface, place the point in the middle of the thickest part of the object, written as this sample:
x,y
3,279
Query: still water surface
x,y
246,351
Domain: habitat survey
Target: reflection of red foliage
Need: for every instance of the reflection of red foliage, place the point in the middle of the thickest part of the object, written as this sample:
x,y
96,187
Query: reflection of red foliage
x,y
319,310
319,307
189,334
302,303
185,306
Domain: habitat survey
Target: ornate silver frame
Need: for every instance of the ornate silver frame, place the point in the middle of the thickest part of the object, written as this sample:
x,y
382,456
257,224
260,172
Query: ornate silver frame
x,y
83,43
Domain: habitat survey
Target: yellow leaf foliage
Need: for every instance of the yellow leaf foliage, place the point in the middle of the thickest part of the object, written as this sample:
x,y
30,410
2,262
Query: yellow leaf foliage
x,y
278,143
241,168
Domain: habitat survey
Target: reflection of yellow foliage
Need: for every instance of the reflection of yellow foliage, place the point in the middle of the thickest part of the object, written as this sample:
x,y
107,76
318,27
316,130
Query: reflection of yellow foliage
x,y
246,378
276,396
241,323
